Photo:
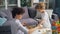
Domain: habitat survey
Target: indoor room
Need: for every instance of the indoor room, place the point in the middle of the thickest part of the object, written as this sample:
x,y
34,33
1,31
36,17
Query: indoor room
x,y
29,16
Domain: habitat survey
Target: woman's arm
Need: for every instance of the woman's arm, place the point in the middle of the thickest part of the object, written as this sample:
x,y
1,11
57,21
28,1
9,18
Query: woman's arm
x,y
31,30
21,27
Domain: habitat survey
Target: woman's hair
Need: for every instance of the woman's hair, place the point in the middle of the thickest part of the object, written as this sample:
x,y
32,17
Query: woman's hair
x,y
18,11
40,5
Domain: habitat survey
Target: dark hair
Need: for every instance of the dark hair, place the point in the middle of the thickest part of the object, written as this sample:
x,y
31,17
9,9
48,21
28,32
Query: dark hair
x,y
39,5
18,11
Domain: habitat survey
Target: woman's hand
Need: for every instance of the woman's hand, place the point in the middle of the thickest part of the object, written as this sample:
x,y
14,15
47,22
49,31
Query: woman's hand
x,y
24,23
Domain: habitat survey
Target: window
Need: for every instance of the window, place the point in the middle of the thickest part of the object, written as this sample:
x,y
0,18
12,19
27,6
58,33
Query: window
x,y
2,3
12,3
51,4
8,3
41,0
26,3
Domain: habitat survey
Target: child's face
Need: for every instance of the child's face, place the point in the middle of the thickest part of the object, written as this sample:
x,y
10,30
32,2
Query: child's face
x,y
43,6
40,10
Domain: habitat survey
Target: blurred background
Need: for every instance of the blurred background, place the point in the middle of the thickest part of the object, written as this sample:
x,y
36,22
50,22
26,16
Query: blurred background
x,y
52,6
29,3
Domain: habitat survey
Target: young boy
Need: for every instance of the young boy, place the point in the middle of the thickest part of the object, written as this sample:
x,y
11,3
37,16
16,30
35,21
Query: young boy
x,y
17,14
41,13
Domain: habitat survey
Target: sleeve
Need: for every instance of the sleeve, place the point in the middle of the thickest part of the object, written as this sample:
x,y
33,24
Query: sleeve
x,y
20,32
22,28
45,16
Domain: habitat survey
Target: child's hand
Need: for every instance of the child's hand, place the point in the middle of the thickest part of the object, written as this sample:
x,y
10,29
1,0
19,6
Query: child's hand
x,y
40,26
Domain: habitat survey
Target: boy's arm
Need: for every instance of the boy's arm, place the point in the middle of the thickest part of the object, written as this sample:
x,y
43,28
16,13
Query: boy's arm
x,y
42,21
44,18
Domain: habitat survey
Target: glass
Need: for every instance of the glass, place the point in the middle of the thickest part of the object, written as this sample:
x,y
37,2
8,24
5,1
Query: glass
x,y
41,0
51,4
25,3
12,1
2,2
28,3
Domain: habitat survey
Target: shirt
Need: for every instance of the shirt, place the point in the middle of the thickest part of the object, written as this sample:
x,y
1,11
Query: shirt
x,y
16,26
22,28
44,16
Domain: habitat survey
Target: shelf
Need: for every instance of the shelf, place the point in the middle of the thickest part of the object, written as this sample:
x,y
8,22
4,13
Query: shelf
x,y
12,5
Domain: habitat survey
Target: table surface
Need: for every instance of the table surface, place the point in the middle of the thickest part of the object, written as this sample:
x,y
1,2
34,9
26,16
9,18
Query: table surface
x,y
40,31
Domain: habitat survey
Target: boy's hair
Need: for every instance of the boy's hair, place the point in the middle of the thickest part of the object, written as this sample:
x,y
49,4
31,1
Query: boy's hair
x,y
18,11
39,5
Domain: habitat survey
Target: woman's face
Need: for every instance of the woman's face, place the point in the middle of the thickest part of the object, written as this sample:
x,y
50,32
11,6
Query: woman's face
x,y
19,16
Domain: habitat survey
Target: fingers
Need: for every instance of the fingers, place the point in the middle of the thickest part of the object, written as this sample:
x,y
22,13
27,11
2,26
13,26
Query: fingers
x,y
24,24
